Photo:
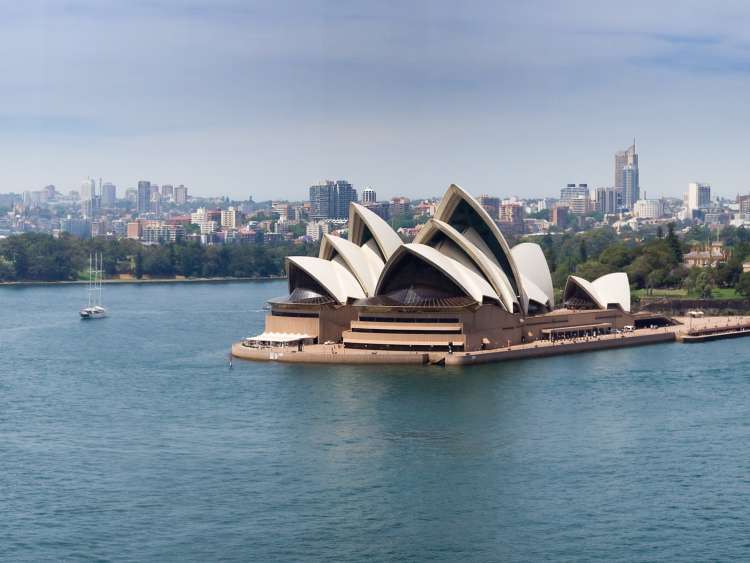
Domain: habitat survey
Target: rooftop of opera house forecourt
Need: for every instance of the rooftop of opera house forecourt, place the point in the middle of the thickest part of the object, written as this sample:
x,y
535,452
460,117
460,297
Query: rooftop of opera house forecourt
x,y
457,295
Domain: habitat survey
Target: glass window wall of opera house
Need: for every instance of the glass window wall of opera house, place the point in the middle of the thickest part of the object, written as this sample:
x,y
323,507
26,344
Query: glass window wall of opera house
x,y
457,287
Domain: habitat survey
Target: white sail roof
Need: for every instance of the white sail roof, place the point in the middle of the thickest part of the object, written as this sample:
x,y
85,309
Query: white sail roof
x,y
614,288
611,289
336,279
532,264
361,220
452,198
365,266
471,283
486,263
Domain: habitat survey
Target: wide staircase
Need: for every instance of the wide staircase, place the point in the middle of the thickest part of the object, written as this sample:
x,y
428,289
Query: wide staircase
x,y
403,334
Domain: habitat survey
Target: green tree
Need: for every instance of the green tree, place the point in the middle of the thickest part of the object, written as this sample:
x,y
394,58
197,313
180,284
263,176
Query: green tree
x,y
675,246
139,265
743,284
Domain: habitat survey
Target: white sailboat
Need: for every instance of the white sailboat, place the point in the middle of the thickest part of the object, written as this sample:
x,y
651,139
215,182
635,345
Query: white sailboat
x,y
94,309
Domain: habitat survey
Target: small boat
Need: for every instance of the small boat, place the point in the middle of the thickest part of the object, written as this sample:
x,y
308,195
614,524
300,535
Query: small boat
x,y
94,309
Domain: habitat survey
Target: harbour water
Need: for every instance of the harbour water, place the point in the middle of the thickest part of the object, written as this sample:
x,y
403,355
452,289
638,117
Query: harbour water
x,y
129,438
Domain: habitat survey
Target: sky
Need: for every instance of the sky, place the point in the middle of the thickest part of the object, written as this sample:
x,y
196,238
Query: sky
x,y
263,99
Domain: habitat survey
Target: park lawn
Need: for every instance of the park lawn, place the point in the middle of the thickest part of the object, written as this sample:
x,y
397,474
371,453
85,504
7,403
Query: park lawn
x,y
660,293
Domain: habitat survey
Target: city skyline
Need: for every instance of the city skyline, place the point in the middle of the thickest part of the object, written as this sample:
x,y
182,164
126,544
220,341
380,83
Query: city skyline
x,y
500,100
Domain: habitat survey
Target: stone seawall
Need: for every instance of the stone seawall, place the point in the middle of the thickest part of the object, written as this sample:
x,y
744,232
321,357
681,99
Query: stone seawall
x,y
321,354
545,349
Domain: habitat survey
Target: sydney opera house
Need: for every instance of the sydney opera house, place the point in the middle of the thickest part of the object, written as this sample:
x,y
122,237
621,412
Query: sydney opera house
x,y
457,288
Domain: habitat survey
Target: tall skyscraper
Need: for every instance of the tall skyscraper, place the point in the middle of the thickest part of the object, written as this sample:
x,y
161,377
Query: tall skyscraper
x,y
626,175
180,195
369,196
109,195
330,200
88,189
167,191
699,196
144,196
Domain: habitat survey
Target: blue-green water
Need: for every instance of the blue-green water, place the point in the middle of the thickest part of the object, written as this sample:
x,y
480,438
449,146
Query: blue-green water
x,y
130,438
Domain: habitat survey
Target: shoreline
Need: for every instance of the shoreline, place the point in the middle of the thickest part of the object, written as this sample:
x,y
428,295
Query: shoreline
x,y
144,281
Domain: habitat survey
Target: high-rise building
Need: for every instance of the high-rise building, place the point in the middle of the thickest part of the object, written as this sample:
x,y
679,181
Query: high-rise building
x,y
180,195
511,218
369,196
88,189
109,195
699,196
316,229
609,200
632,190
230,218
92,206
626,175
649,208
571,191
330,200
155,203
345,194
491,205
144,196
560,216
399,206
744,203
167,191
77,227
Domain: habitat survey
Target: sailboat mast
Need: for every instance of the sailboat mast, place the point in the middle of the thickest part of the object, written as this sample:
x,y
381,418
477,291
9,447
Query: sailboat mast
x,y
91,281
101,276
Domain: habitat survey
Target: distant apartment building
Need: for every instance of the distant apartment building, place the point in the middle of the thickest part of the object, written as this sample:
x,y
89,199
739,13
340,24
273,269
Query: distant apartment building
x,y
511,218
330,200
143,203
108,195
491,205
369,196
163,233
649,208
316,229
382,209
609,200
282,209
579,205
120,228
399,206
80,228
88,189
743,203
134,230
560,216
576,198
698,196
167,192
180,195
92,206
207,220
131,195
231,218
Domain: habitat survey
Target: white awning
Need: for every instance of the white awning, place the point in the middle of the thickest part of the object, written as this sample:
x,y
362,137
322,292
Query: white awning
x,y
279,337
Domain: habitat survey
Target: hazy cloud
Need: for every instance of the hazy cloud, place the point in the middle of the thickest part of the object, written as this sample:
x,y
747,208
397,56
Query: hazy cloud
x,y
264,98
